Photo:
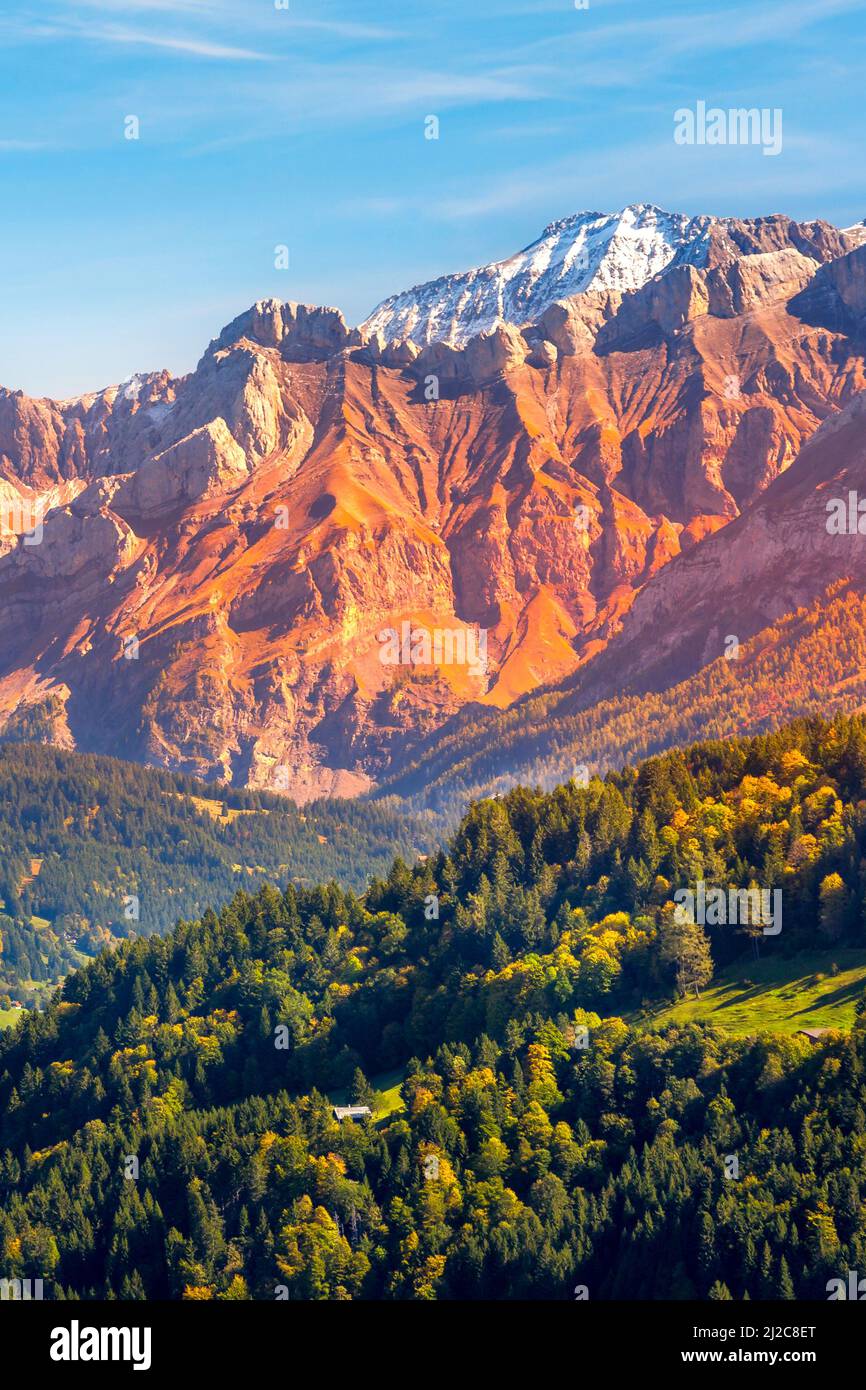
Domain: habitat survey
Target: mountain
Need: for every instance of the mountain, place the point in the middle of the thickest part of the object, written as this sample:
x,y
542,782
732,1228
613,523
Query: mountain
x,y
530,1123
591,250
619,251
761,623
812,658
297,566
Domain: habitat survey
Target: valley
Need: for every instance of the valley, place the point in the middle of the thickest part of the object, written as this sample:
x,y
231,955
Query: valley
x,y
126,851
566,1082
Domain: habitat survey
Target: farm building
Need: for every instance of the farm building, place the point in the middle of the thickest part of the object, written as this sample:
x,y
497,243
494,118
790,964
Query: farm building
x,y
356,1113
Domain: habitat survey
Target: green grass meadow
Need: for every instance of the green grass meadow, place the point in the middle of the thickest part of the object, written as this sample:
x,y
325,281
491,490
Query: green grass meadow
x,y
777,995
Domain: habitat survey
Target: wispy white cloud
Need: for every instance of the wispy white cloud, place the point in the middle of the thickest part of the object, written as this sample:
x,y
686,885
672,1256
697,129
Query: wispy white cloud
x,y
66,31
240,15
344,94
193,28
24,145
619,52
709,179
144,7
346,29
199,48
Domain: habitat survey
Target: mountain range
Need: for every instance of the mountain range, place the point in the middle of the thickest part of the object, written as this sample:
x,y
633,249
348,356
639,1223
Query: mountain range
x,y
605,465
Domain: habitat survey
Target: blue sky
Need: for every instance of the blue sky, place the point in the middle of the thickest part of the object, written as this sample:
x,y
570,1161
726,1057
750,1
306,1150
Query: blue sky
x,y
305,127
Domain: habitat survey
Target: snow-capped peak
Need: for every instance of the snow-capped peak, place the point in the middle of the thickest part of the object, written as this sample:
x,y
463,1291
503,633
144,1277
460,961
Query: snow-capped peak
x,y
589,250
130,387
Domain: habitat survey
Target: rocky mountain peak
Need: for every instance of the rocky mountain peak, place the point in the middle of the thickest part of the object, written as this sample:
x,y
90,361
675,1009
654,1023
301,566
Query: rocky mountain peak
x,y
301,332
586,251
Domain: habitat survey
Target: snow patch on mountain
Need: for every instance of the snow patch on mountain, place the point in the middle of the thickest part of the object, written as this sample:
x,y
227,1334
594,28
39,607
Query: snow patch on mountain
x,y
587,251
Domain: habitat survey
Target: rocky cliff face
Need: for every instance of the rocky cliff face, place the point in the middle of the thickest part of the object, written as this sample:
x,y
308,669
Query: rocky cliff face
x,y
801,537
290,566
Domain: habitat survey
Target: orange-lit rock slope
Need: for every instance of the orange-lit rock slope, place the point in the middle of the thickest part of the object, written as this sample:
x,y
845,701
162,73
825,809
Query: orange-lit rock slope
x,y
223,555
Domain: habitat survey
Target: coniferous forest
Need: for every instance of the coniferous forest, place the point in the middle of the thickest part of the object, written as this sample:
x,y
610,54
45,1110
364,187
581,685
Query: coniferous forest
x,y
96,850
535,1129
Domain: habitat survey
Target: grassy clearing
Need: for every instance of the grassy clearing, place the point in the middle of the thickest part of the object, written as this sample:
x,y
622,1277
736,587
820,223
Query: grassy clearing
x,y
778,995
217,810
387,1088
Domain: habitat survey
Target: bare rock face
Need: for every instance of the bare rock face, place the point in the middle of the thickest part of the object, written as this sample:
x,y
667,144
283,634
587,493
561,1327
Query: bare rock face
x,y
762,278
481,361
732,237
32,438
778,557
656,311
836,296
294,564
206,463
573,325
666,304
300,332
849,281
397,353
542,353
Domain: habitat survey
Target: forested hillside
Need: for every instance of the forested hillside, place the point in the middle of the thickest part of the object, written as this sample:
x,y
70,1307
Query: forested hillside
x,y
165,1130
811,662
94,849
